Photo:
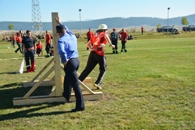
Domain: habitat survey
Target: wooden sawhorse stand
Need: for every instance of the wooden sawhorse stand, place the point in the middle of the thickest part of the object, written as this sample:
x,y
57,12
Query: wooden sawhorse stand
x,y
57,80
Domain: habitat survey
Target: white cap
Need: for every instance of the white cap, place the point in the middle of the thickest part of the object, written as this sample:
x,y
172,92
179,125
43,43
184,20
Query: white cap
x,y
102,26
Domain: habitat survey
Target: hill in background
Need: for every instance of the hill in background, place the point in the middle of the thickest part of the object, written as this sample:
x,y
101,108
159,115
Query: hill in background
x,y
116,22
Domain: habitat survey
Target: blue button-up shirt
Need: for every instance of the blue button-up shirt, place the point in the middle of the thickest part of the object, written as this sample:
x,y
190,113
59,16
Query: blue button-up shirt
x,y
67,46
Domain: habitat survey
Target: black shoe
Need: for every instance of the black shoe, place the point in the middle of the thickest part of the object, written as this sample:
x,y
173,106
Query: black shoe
x,y
116,52
113,52
76,110
121,50
125,50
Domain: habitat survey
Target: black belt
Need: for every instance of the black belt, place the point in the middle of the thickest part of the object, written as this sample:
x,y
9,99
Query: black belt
x,y
71,59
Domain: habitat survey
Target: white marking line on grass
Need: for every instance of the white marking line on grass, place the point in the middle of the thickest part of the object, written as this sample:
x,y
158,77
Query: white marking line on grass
x,y
21,58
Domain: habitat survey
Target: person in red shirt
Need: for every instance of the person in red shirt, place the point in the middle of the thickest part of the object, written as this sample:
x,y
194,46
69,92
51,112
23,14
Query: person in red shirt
x,y
48,43
13,38
19,42
96,56
39,48
89,35
51,51
123,36
142,30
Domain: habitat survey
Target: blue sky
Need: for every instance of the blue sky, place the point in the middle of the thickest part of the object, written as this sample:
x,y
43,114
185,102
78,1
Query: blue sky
x,y
20,10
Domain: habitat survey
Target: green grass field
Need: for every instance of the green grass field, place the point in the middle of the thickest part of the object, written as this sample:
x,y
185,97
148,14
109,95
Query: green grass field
x,y
151,87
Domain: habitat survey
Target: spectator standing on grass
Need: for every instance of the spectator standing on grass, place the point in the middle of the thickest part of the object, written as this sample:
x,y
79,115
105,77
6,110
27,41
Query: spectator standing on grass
x,y
124,36
142,30
29,50
19,42
48,43
96,55
114,39
67,47
13,40
21,33
89,35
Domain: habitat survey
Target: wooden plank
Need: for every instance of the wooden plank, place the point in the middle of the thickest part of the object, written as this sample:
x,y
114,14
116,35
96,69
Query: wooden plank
x,y
58,82
40,72
85,87
38,83
87,80
43,84
50,82
46,99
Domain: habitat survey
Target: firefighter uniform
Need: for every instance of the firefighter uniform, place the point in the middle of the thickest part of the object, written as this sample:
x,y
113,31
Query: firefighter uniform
x,y
29,50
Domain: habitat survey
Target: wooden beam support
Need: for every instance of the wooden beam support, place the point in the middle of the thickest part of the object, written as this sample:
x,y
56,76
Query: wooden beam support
x,y
38,83
45,83
40,72
48,99
58,82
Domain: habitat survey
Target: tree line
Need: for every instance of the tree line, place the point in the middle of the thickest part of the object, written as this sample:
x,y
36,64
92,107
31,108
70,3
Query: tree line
x,y
184,21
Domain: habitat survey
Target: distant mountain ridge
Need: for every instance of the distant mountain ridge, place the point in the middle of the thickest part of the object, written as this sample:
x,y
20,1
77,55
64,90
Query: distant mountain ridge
x,y
116,22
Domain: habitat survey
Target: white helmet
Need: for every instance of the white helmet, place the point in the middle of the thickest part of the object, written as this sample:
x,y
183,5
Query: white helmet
x,y
102,26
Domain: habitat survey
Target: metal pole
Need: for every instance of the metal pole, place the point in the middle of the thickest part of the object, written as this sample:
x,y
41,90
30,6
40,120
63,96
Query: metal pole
x,y
168,18
80,21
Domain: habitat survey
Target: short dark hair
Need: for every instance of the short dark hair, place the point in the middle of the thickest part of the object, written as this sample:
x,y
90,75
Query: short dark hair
x,y
27,31
60,28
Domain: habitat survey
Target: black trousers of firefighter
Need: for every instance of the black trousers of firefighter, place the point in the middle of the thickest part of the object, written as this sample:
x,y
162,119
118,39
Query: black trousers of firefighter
x,y
71,81
29,58
93,60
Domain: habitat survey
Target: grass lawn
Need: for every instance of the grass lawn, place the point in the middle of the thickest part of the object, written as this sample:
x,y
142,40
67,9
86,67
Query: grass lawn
x,y
150,87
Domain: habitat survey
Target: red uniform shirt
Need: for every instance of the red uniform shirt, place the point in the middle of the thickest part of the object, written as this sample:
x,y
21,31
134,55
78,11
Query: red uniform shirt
x,y
38,46
48,38
19,39
102,40
89,34
142,28
123,36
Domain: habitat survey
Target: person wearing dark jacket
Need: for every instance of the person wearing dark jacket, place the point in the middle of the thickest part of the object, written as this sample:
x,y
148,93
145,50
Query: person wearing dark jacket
x,y
114,39
29,51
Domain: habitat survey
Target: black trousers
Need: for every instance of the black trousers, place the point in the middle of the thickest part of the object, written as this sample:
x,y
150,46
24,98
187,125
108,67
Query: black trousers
x,y
93,60
123,45
115,42
38,51
19,48
13,43
71,81
29,56
87,41
47,48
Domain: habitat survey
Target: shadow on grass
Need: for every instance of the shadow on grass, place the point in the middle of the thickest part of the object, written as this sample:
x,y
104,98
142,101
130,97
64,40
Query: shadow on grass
x,y
7,95
9,73
25,113
11,85
109,53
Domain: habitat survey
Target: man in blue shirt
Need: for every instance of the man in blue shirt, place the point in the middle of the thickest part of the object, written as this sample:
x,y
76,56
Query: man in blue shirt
x,y
67,49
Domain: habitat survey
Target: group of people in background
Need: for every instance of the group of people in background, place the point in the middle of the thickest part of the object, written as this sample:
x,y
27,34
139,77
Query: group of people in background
x,y
114,37
28,46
